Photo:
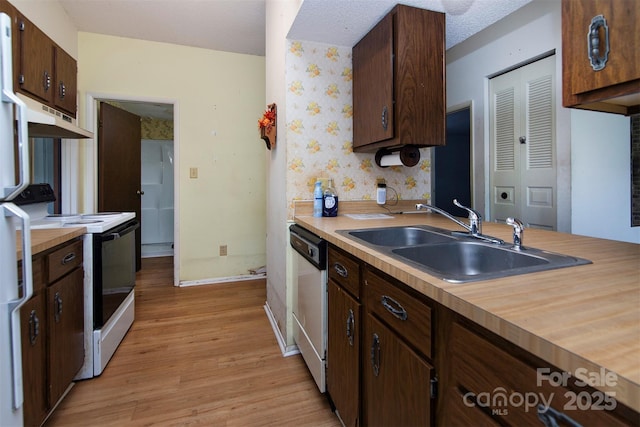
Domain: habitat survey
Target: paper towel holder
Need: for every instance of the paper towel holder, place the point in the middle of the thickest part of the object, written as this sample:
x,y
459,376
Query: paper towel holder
x,y
409,155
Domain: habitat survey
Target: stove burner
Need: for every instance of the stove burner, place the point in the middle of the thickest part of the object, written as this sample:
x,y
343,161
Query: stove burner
x,y
101,215
81,222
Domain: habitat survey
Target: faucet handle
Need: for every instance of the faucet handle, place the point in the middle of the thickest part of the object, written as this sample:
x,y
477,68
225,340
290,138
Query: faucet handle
x,y
475,217
518,231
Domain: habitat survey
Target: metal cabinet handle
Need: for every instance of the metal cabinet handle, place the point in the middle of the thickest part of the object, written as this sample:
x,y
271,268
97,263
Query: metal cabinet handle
x,y
46,81
341,270
375,355
553,418
58,303
597,56
385,117
351,327
62,90
394,307
34,327
68,258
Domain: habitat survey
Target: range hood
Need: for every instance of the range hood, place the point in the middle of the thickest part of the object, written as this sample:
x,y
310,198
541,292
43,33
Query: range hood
x,y
46,122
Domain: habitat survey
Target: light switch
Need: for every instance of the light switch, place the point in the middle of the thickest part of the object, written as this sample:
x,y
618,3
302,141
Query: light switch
x,y
193,172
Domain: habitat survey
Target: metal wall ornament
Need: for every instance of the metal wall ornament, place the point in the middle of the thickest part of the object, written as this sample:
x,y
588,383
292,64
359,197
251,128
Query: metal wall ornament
x,y
268,125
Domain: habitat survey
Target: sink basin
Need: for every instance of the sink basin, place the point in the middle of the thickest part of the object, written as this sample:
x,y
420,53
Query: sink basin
x,y
455,258
400,236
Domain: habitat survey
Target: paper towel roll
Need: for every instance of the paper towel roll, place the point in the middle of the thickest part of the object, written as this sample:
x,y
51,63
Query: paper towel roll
x,y
391,160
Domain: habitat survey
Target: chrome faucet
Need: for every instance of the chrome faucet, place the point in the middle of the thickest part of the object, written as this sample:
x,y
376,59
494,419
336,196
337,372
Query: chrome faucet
x,y
475,220
518,231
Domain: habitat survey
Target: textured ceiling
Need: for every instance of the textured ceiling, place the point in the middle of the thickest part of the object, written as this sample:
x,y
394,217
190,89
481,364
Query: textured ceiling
x,y
345,22
239,25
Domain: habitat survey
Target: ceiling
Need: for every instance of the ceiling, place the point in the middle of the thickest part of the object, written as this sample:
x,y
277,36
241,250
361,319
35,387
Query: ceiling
x,y
239,25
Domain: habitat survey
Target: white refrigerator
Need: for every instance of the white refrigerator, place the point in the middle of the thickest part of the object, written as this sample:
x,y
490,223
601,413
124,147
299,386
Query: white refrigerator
x,y
12,294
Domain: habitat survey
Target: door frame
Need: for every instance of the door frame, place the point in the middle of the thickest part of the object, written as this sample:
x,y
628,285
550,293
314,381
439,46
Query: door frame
x,y
453,109
89,158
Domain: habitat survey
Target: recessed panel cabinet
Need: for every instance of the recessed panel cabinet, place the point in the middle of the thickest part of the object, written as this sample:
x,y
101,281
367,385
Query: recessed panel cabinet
x,y
600,55
42,69
399,82
52,329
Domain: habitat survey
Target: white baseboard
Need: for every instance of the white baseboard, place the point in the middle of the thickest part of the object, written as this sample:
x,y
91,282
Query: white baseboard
x,y
228,279
286,351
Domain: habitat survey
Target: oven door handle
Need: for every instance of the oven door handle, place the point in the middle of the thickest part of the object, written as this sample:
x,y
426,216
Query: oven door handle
x,y
118,234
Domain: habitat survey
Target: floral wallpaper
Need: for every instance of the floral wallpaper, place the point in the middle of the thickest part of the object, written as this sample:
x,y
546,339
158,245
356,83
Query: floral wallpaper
x,y
156,128
319,117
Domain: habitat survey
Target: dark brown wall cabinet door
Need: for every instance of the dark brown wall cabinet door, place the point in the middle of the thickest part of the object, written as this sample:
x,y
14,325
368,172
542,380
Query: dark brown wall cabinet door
x,y
612,21
36,73
399,81
343,354
397,382
66,82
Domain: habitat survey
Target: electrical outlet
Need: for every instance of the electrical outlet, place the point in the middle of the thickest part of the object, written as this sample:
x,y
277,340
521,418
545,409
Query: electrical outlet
x,y
193,172
223,250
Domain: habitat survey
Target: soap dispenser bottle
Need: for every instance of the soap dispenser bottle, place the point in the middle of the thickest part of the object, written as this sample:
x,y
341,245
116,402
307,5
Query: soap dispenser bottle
x,y
317,199
330,201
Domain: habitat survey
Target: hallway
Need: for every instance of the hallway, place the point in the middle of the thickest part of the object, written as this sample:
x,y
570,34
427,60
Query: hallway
x,y
203,355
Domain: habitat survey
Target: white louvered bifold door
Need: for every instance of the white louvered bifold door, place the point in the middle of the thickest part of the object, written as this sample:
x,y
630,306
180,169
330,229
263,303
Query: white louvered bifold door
x,y
522,134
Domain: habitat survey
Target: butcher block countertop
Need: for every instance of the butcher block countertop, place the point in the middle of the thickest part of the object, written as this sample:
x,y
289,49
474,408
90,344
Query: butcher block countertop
x,y
47,238
585,317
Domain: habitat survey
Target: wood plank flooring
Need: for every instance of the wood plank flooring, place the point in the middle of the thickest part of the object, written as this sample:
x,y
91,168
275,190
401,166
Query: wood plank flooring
x,y
197,356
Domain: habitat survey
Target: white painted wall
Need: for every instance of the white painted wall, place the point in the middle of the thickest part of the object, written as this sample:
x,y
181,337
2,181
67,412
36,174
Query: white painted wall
x,y
521,37
279,17
219,97
600,176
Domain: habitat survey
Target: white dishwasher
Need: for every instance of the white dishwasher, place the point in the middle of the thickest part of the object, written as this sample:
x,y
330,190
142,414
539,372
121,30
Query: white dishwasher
x,y
310,301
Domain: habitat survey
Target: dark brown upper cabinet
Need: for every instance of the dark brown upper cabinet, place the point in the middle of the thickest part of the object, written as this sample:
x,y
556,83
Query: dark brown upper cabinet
x,y
600,55
399,82
44,70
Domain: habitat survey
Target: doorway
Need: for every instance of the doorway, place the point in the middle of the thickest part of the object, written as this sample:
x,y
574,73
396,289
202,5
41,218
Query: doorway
x,y
452,164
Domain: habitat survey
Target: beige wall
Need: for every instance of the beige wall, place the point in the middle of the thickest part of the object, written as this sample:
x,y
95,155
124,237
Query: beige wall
x,y
218,98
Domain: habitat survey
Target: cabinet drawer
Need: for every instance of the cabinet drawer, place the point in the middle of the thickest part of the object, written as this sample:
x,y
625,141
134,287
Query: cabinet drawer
x,y
63,260
408,316
37,274
479,366
345,270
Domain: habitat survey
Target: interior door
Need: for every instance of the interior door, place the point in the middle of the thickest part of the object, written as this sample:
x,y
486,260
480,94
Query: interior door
x,y
522,134
119,186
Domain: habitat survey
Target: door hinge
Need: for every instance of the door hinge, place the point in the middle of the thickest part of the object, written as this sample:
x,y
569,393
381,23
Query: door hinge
x,y
433,387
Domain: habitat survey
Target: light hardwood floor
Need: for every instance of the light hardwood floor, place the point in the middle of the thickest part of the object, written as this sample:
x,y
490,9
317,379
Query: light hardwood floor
x,y
203,356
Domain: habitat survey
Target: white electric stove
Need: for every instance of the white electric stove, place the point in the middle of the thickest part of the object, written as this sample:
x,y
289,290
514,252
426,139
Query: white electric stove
x,y
109,272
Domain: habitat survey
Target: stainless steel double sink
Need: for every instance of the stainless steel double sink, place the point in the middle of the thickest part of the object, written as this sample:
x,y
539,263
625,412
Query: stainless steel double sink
x,y
456,258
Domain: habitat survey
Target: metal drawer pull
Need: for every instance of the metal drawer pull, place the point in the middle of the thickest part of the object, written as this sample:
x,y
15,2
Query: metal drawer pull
x,y
598,61
46,81
351,327
375,355
394,307
58,302
34,327
68,258
385,117
553,418
341,270
62,90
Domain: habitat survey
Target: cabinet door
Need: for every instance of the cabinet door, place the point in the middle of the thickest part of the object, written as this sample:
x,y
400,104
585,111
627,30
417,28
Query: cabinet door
x,y
66,327
373,85
397,382
66,81
343,354
33,331
36,62
623,62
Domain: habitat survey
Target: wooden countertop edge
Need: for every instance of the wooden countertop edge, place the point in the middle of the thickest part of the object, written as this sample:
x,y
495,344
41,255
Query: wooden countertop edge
x,y
626,390
44,239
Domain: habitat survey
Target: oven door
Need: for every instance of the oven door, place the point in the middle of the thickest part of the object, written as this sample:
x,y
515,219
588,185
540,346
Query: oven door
x,y
114,270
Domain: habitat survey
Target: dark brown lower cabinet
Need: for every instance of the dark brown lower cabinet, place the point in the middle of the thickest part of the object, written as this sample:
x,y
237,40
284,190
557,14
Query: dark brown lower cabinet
x,y
66,327
397,381
343,354
33,324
